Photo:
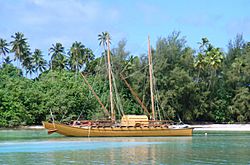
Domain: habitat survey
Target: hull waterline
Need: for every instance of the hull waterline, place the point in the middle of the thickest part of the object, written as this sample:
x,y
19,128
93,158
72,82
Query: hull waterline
x,y
68,130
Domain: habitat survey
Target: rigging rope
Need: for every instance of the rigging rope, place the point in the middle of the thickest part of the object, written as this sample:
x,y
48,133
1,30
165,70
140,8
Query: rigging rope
x,y
118,99
136,72
98,70
117,95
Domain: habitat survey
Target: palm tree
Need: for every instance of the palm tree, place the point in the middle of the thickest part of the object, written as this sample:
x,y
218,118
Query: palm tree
x,y
38,61
79,55
88,55
19,46
61,62
3,48
28,65
56,52
7,60
215,57
210,58
103,38
76,56
200,63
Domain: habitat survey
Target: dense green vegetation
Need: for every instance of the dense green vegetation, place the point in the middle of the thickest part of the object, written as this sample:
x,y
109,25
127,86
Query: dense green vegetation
x,y
197,85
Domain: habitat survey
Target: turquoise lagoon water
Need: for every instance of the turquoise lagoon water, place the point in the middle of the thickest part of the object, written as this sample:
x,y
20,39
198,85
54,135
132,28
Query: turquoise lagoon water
x,y
36,147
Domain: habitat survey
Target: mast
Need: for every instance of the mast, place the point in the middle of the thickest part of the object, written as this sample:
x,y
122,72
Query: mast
x,y
110,83
151,79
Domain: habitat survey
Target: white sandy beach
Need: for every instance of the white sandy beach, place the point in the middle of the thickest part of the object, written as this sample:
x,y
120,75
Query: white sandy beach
x,y
222,127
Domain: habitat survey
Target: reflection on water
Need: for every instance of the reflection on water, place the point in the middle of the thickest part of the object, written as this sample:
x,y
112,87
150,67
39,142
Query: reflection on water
x,y
36,147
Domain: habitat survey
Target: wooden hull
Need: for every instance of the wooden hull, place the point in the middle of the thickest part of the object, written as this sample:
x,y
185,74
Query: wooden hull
x,y
115,131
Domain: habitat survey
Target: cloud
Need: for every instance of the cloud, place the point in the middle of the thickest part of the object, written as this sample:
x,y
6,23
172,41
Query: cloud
x,y
61,11
46,13
45,22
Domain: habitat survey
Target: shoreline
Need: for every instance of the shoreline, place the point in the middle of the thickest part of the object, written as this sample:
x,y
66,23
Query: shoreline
x,y
197,127
222,127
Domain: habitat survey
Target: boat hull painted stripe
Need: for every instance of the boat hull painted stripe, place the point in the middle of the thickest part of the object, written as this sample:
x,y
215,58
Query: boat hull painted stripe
x,y
116,131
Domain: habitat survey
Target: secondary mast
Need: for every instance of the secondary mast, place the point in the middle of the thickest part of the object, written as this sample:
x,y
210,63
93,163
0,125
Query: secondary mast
x,y
151,79
110,83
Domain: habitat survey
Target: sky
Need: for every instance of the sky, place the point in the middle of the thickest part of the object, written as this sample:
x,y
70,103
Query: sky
x,y
45,22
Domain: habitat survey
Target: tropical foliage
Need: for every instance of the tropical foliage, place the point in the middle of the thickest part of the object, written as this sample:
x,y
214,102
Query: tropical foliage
x,y
195,85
